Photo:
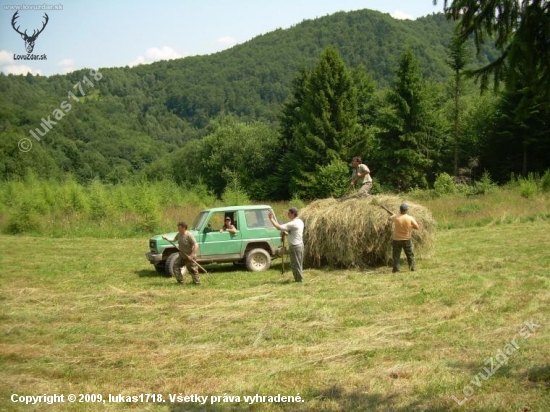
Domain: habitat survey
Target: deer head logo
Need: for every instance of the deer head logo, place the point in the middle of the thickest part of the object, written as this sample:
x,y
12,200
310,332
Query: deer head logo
x,y
29,40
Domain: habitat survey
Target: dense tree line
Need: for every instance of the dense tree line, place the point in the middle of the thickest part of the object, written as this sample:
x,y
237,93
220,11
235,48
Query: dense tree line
x,y
520,32
282,114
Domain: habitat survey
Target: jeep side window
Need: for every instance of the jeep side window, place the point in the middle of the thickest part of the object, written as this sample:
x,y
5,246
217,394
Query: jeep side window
x,y
216,222
257,219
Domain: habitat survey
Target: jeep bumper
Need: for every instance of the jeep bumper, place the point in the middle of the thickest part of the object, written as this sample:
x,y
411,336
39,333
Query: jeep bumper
x,y
154,258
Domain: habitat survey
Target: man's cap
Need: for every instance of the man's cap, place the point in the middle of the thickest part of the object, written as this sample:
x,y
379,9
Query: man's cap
x,y
293,210
404,206
227,218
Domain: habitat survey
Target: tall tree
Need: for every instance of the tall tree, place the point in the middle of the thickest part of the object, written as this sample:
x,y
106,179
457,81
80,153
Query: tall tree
x,y
319,123
404,138
457,59
521,32
518,142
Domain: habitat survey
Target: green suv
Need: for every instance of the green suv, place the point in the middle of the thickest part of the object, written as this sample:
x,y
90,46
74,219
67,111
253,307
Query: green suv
x,y
255,243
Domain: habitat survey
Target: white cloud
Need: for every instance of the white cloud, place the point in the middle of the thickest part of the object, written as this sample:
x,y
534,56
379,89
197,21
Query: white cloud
x,y
5,57
67,65
154,54
8,66
226,40
401,15
20,69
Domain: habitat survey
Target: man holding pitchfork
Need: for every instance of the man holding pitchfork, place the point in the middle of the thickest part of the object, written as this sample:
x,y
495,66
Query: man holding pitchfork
x,y
188,248
295,229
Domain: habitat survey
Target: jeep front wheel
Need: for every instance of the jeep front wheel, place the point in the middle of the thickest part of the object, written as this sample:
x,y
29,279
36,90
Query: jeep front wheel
x,y
258,260
172,264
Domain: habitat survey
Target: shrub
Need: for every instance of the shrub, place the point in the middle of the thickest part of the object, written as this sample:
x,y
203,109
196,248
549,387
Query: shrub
x,y
147,206
71,197
23,218
234,194
331,180
444,185
100,205
528,187
297,202
484,185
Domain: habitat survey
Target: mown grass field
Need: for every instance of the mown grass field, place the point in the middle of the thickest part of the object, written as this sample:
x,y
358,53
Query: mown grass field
x,y
91,316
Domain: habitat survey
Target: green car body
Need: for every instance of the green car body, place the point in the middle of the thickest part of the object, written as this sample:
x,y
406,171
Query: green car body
x,y
255,244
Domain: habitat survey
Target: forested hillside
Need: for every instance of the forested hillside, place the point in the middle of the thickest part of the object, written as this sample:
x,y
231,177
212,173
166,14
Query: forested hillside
x,y
134,116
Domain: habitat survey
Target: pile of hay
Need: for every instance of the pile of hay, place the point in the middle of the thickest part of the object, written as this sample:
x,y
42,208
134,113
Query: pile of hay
x,y
356,232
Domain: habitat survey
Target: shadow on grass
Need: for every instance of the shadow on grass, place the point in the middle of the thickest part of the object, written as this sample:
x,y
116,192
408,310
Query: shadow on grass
x,y
150,274
539,376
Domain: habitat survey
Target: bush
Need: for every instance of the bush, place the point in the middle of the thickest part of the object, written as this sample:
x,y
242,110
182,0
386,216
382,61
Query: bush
x,y
147,206
297,202
23,218
100,204
444,185
234,194
484,185
528,187
331,180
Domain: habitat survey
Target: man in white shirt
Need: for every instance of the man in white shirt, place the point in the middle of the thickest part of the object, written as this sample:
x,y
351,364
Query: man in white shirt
x,y
295,230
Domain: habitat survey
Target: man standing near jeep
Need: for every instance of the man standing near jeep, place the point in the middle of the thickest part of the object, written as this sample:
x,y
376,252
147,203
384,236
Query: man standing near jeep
x,y
295,229
188,248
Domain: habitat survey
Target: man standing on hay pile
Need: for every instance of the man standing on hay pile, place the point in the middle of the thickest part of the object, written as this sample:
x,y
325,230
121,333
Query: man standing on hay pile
x,y
295,229
361,177
402,225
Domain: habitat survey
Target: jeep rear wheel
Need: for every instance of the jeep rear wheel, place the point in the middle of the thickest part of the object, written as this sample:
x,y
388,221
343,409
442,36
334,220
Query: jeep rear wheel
x,y
258,260
172,264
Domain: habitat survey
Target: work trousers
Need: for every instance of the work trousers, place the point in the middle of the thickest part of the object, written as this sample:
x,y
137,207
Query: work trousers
x,y
191,267
364,190
296,253
406,245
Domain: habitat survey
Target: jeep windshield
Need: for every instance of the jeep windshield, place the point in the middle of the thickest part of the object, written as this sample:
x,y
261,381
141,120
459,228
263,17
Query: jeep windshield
x,y
199,221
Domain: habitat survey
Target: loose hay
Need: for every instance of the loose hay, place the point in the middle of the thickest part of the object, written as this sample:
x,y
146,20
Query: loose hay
x,y
356,233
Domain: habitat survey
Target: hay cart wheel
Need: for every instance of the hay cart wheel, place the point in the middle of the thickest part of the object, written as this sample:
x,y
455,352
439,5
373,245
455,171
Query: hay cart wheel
x,y
172,264
258,260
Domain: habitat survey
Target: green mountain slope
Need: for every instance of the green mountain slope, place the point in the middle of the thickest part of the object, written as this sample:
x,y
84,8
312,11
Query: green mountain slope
x,y
133,116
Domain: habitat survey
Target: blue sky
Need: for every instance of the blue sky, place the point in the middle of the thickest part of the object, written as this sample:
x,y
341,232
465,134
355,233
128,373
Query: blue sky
x,y
104,33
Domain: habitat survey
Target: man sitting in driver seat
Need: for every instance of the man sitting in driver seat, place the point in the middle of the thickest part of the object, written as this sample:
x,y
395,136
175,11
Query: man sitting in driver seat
x,y
228,226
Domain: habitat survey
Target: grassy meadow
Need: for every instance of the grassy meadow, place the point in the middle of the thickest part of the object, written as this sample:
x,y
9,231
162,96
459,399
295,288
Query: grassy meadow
x,y
89,315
